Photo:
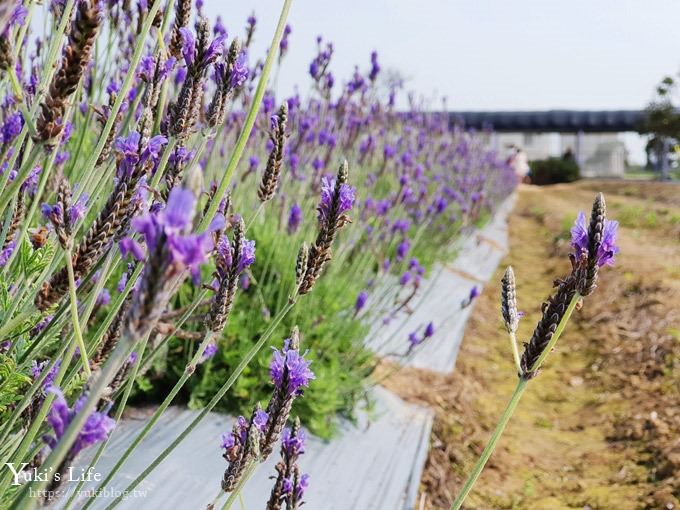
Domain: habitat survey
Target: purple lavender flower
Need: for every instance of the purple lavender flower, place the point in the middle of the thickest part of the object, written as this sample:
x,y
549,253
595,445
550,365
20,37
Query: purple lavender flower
x,y
239,73
402,249
53,213
299,373
607,248
413,339
171,226
356,83
253,161
247,255
130,155
77,210
6,252
299,489
36,372
375,67
96,429
210,55
293,444
227,441
361,301
11,128
219,28
405,278
283,45
209,351
294,218
429,330
345,200
104,298
260,420
41,325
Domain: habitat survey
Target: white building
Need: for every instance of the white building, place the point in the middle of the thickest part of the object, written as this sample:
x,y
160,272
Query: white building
x,y
598,154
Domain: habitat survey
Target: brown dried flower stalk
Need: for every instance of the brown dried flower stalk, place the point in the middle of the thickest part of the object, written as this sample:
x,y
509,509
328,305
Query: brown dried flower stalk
x,y
185,111
75,59
103,115
6,52
595,232
17,218
270,178
553,312
182,18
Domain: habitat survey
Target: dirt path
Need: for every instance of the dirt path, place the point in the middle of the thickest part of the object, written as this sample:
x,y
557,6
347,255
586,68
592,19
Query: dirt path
x,y
600,427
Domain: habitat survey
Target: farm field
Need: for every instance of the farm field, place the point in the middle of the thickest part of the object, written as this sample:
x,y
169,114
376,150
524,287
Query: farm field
x,y
599,428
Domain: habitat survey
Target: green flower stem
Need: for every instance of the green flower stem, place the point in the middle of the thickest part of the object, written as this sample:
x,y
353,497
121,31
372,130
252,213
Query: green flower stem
x,y
31,434
38,383
38,420
125,87
18,92
74,314
44,176
250,120
25,401
515,352
188,372
99,384
255,215
48,70
215,400
119,413
510,408
491,445
23,172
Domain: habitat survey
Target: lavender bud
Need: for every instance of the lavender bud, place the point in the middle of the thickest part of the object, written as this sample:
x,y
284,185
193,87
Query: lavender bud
x,y
509,301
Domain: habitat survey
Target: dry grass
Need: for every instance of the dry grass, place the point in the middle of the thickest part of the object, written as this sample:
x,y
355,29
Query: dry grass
x,y
600,427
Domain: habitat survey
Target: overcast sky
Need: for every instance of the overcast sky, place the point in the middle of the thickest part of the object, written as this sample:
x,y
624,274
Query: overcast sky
x,y
484,54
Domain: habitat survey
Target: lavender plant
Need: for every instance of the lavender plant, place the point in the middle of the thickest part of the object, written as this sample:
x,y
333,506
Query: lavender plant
x,y
130,220
594,246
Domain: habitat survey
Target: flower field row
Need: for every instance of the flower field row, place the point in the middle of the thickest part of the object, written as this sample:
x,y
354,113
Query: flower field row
x,y
167,218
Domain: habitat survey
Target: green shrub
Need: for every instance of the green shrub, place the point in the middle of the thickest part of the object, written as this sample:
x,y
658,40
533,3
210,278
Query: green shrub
x,y
553,171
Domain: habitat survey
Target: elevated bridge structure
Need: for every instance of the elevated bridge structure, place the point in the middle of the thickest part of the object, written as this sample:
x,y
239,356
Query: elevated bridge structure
x,y
553,121
592,136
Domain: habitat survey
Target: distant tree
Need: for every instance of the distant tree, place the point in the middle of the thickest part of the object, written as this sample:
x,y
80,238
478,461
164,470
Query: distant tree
x,y
662,122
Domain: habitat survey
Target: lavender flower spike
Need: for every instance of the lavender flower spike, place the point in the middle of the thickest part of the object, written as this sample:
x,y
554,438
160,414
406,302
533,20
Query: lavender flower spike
x,y
173,252
337,198
595,243
96,429
290,373
594,248
242,446
290,484
231,260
